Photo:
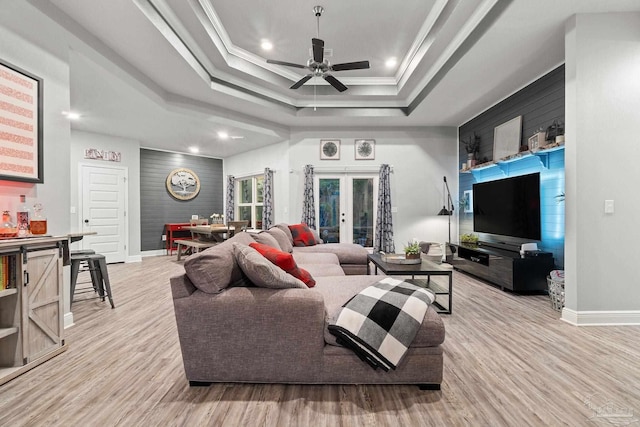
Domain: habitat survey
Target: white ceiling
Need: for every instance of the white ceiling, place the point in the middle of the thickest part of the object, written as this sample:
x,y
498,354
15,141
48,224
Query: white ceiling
x,y
172,73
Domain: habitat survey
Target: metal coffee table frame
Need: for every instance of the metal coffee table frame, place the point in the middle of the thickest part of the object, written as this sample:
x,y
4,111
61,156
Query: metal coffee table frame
x,y
426,268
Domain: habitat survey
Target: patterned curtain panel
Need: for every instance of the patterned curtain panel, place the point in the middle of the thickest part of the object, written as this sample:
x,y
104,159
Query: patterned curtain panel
x,y
267,209
308,205
384,225
231,187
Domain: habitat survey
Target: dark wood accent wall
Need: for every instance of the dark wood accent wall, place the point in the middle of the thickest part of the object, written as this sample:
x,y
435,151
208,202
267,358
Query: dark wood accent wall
x,y
158,207
539,104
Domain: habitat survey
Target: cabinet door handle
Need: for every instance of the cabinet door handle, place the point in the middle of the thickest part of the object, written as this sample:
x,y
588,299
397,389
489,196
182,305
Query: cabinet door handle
x,y
26,278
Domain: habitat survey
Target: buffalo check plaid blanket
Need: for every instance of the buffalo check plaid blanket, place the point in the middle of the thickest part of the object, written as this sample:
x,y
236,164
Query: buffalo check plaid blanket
x,y
380,322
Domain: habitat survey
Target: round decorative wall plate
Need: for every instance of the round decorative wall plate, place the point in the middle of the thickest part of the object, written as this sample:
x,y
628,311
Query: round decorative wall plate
x,y
330,149
365,149
183,184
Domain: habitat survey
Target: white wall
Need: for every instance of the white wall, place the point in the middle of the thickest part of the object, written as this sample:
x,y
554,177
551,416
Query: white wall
x,y
603,112
275,157
48,62
420,158
130,159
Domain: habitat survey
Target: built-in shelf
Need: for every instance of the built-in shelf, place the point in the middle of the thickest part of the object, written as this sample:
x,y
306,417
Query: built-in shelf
x,y
542,155
5,332
7,292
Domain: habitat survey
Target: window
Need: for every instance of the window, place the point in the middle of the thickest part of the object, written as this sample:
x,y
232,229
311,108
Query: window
x,y
249,200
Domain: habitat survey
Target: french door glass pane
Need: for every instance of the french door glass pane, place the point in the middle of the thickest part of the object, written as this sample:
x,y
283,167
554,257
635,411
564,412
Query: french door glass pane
x,y
329,210
244,214
245,191
363,211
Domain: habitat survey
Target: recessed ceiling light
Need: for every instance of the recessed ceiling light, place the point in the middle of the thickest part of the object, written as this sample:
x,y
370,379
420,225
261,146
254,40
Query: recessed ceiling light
x,y
71,115
391,62
223,135
237,137
266,44
194,149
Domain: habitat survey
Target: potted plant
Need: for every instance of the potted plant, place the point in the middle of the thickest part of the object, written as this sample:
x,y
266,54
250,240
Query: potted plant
x,y
470,239
412,250
471,146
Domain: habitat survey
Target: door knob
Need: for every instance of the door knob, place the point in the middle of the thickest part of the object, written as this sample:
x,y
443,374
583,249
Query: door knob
x,y
86,221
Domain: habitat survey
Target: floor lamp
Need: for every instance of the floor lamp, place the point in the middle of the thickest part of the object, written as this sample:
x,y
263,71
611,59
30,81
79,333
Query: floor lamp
x,y
447,210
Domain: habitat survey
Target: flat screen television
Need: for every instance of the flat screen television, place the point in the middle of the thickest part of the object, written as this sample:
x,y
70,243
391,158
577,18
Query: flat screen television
x,y
508,207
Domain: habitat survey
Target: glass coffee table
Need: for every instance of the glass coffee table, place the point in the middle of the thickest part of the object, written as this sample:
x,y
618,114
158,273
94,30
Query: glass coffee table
x,y
426,268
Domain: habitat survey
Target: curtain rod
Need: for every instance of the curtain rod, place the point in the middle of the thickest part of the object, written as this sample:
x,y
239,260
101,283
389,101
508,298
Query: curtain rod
x,y
349,168
247,175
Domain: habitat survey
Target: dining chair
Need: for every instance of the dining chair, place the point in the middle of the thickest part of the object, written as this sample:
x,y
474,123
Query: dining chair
x,y
237,226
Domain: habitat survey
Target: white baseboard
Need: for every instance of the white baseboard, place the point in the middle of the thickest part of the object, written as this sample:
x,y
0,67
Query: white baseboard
x,y
601,318
134,258
68,320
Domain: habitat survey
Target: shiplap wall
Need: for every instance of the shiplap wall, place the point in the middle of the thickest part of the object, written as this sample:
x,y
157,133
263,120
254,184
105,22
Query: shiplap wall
x,y
539,104
158,207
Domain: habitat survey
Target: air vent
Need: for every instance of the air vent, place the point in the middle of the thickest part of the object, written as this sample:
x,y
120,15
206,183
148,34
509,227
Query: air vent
x,y
327,52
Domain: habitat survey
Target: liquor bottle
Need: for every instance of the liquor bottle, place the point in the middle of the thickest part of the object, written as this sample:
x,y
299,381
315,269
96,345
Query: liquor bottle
x,y
22,217
7,227
38,221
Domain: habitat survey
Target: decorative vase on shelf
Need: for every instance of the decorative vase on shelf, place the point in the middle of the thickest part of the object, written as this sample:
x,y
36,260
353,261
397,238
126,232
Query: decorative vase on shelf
x,y
471,160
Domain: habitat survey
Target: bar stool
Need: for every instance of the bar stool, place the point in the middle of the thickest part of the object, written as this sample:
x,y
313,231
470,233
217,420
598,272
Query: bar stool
x,y
97,266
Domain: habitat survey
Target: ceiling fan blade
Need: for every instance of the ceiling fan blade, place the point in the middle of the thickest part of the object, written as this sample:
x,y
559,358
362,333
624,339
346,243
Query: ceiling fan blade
x,y
360,65
334,82
302,81
318,50
288,64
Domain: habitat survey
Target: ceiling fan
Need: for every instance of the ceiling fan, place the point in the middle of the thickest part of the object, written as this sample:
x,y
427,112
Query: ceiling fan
x,y
318,65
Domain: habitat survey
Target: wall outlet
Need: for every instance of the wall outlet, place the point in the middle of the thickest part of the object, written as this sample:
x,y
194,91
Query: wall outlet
x,y
164,237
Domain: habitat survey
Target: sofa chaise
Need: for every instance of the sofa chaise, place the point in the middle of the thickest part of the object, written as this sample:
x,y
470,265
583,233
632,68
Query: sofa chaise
x,y
232,331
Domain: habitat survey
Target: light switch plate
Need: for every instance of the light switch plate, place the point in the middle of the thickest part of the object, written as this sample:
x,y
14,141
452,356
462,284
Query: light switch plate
x,y
608,206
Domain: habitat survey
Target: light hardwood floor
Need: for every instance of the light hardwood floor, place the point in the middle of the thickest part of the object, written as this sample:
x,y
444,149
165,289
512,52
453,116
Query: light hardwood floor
x,y
509,361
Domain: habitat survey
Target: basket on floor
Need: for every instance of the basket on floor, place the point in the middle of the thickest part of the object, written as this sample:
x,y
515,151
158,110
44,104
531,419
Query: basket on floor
x,y
555,280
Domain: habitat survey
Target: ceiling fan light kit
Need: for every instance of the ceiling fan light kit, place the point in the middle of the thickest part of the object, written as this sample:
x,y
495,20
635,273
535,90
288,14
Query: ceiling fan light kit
x,y
318,65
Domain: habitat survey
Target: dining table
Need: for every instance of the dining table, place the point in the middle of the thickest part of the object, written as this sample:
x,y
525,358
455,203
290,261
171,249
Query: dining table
x,y
215,232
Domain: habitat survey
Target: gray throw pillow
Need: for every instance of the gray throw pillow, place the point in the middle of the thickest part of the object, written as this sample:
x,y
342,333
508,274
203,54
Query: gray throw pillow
x,y
286,245
214,269
266,239
261,271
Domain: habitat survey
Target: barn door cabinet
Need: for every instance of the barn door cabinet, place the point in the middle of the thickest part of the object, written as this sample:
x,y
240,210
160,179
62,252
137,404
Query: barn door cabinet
x,y
31,303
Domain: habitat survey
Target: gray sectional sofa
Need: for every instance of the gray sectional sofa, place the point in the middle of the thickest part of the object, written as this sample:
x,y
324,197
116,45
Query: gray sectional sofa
x,y
233,332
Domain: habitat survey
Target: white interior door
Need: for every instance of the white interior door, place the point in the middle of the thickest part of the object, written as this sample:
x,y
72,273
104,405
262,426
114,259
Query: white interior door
x,y
346,208
104,200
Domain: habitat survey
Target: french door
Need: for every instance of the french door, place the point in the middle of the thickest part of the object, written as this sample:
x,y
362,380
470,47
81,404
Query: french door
x,y
346,208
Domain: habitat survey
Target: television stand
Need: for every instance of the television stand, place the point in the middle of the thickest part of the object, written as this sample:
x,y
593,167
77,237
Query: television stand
x,y
503,267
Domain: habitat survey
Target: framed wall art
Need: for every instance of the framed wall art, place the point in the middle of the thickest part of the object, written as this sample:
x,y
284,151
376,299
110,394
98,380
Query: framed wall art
x,y
506,138
20,125
329,149
183,184
365,149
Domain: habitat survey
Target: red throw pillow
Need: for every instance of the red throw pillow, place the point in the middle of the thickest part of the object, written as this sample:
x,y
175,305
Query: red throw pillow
x,y
285,261
302,235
